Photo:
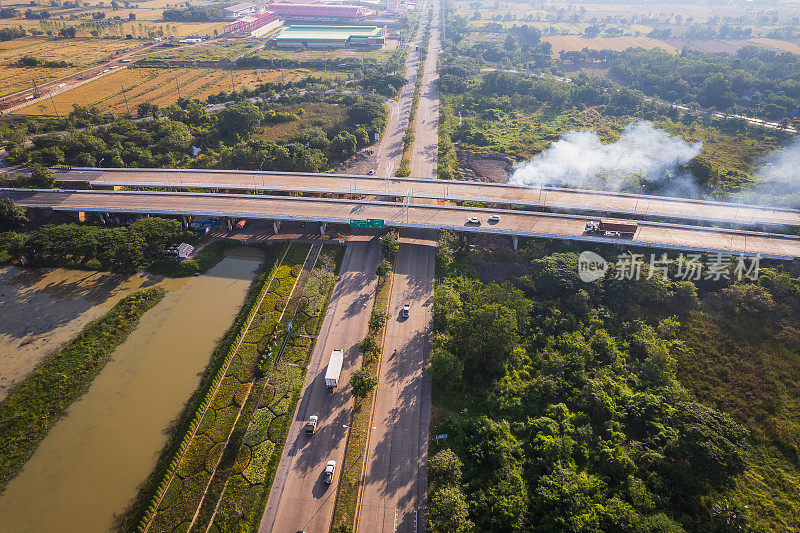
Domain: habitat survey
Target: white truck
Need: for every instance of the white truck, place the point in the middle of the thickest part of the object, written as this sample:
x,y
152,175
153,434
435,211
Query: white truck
x,y
334,369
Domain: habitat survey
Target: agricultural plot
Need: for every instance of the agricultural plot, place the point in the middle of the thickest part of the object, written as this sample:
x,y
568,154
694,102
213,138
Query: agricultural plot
x,y
202,52
18,78
573,43
245,424
79,52
372,56
774,44
122,91
93,93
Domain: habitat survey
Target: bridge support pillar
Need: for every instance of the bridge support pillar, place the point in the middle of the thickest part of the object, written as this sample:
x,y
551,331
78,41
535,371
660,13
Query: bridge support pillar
x,y
229,222
276,226
322,226
515,241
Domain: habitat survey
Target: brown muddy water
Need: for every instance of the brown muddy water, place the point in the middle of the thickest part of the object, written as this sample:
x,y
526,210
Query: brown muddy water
x,y
91,463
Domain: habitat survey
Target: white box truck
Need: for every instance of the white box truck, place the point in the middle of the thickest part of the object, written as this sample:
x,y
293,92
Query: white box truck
x,y
334,369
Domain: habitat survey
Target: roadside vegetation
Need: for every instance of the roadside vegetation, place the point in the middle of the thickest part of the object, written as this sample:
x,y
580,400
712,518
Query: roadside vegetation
x,y
238,495
622,404
227,139
125,249
363,382
219,468
34,405
521,116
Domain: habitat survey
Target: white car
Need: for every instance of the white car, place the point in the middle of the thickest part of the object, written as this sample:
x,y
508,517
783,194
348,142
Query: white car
x,y
473,220
330,468
494,219
405,311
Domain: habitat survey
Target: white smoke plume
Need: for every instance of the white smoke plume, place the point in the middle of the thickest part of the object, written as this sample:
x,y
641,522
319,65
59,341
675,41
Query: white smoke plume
x,y
643,158
778,178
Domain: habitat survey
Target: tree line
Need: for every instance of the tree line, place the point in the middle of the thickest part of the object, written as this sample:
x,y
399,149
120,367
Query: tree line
x,y
226,138
568,408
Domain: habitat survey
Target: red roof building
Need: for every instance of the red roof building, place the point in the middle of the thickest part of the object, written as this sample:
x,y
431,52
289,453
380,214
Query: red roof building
x,y
317,12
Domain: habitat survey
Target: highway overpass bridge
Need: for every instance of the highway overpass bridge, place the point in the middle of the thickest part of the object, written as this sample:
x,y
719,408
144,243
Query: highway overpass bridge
x,y
514,223
546,198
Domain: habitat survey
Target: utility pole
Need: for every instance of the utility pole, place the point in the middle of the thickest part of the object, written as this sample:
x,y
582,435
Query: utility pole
x,y
54,105
125,96
179,88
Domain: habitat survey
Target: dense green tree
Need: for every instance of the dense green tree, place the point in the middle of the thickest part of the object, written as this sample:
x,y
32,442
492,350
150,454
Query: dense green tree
x,y
12,216
448,511
390,244
446,369
710,447
239,118
363,382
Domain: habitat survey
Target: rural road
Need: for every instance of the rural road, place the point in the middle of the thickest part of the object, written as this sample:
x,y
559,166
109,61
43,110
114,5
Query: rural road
x,y
396,481
300,500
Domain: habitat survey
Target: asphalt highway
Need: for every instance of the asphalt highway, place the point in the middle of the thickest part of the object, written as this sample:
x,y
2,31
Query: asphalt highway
x,y
395,483
300,500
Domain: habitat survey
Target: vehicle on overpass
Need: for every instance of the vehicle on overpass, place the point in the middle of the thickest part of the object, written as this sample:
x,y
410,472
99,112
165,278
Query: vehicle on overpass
x,y
494,219
623,228
330,468
334,369
474,220
311,425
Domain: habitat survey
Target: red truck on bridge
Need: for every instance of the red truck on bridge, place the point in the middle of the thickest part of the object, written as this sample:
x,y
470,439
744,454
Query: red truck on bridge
x,y
625,228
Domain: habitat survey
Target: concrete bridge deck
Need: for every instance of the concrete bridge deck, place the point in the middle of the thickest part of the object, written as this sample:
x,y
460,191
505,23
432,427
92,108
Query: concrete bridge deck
x,y
550,198
395,214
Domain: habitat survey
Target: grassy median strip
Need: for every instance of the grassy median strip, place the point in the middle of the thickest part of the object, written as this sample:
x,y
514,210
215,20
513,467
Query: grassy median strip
x,y
249,470
346,507
37,403
182,490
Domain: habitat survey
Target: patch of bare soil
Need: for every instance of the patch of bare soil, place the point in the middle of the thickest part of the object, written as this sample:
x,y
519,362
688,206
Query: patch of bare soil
x,y
40,309
487,167
361,163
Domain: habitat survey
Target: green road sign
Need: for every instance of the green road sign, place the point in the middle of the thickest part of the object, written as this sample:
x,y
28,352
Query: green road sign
x,y
375,223
355,223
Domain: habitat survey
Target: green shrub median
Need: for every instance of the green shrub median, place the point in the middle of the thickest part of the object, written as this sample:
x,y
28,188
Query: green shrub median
x,y
36,404
346,507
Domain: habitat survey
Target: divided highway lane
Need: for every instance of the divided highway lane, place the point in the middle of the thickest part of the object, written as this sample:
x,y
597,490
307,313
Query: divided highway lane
x,y
396,478
300,500
520,223
551,198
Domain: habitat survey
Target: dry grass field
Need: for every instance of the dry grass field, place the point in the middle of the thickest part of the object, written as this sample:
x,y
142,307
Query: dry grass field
x,y
161,87
79,52
202,52
775,44
315,114
571,43
13,79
